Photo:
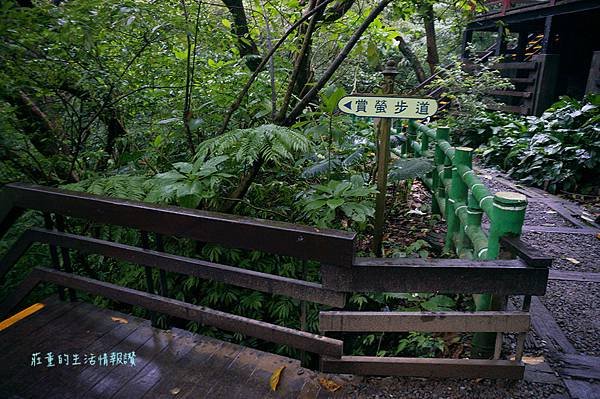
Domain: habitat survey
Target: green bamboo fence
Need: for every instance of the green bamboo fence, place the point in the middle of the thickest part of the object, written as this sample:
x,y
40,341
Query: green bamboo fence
x,y
462,199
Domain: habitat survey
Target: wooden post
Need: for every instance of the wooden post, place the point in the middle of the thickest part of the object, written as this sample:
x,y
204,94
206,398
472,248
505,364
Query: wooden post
x,y
383,157
500,41
547,40
593,81
49,225
545,86
466,40
522,45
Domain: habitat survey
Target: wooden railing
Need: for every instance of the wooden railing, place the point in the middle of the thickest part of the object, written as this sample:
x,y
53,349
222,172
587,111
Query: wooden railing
x,y
341,273
502,6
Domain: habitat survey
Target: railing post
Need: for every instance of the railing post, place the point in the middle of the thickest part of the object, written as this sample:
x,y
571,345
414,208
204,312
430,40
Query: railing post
x,y
508,215
441,133
410,136
458,194
145,244
66,256
424,144
474,215
463,156
49,225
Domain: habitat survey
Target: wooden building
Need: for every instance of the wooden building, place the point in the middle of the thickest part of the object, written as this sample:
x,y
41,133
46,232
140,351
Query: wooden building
x,y
549,48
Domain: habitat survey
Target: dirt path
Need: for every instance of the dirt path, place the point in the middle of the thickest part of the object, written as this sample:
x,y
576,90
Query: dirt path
x,y
563,348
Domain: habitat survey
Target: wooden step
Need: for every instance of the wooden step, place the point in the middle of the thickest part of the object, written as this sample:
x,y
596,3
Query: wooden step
x,y
424,367
510,93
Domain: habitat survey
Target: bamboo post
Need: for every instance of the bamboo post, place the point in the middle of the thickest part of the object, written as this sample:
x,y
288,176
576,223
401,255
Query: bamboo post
x,y
507,217
424,144
441,134
474,216
458,198
437,188
383,157
463,156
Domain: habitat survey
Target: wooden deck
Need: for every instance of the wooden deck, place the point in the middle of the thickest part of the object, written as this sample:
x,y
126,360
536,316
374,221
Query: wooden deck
x,y
168,364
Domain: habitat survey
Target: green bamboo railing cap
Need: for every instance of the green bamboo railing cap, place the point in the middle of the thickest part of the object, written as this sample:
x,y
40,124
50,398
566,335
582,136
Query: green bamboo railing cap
x,y
510,198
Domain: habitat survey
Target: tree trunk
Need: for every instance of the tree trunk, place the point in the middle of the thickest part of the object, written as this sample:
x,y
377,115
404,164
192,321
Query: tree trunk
x,y
412,59
246,46
243,186
432,53
297,110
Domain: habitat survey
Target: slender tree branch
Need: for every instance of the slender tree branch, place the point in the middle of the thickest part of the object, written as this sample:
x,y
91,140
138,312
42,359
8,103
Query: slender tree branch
x,y
238,101
336,62
299,60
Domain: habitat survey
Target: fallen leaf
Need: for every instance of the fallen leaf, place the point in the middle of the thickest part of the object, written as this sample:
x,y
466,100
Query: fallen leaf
x,y
329,385
275,377
119,320
573,261
598,236
175,391
533,360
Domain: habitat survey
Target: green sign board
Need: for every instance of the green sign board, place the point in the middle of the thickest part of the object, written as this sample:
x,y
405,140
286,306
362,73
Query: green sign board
x,y
388,106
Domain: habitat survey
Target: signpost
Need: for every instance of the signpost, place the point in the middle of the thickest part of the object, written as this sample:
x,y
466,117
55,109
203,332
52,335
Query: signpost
x,y
386,107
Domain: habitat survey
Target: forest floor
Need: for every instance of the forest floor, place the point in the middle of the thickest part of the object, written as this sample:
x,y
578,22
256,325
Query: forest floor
x,y
562,351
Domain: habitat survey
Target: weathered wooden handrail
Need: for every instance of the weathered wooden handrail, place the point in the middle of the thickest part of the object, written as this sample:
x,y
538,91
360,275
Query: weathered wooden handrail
x,y
304,242
340,271
225,321
264,282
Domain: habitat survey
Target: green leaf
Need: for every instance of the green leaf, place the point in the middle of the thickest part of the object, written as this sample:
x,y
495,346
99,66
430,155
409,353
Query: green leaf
x,y
334,203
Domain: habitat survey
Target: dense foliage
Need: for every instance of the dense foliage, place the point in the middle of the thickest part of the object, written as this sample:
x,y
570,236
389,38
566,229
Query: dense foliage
x,y
232,107
558,151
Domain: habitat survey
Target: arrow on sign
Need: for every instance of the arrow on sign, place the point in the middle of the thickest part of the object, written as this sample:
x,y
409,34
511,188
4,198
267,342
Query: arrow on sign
x,y
348,105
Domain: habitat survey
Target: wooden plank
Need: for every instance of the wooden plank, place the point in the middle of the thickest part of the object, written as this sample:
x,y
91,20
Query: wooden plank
x,y
560,230
522,80
579,389
510,93
323,245
198,360
532,256
485,321
423,367
74,382
225,321
82,336
546,328
72,333
54,310
272,284
541,373
216,366
181,343
510,277
574,276
146,343
526,66
579,366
